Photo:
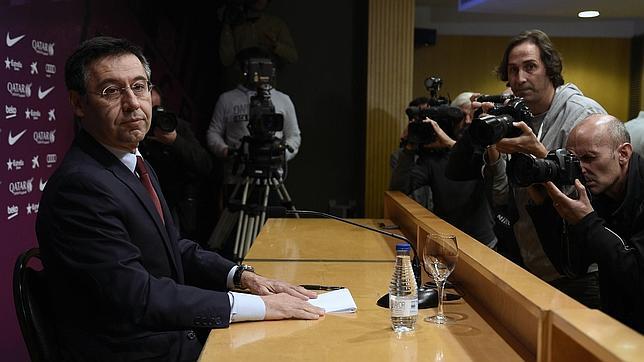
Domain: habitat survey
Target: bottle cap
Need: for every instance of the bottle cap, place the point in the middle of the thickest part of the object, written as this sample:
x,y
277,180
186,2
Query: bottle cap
x,y
403,247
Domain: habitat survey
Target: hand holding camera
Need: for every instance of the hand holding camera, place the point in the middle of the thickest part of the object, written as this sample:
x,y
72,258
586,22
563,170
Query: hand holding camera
x,y
499,121
526,142
423,132
442,139
572,210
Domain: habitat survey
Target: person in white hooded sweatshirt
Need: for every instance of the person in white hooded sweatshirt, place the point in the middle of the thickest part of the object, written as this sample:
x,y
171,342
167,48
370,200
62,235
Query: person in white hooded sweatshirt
x,y
229,123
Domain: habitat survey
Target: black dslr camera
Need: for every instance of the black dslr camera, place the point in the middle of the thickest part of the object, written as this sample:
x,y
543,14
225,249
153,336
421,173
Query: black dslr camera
x,y
165,120
488,129
560,166
421,133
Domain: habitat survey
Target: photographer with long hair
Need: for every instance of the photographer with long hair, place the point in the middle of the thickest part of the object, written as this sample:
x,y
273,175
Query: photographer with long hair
x,y
532,67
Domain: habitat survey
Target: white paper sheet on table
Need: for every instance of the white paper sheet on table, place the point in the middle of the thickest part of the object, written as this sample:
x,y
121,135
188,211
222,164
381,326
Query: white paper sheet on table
x,y
336,301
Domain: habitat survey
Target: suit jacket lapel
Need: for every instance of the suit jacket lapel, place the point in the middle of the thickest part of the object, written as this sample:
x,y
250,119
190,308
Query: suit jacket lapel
x,y
134,184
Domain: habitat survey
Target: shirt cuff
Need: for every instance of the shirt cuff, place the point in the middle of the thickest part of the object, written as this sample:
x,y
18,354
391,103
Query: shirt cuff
x,y
229,278
246,307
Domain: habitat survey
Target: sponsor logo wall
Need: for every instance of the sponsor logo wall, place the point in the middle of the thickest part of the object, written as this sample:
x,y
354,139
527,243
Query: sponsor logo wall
x,y
35,114
36,129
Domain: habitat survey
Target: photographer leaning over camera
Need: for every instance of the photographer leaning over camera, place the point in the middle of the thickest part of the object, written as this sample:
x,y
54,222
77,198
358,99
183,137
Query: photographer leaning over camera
x,y
418,170
532,67
181,163
609,230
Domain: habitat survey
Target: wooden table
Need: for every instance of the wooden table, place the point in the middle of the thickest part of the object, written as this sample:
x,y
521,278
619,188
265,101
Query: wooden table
x,y
315,251
320,240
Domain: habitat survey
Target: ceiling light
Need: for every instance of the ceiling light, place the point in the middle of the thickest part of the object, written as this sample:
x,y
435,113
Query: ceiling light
x,y
588,14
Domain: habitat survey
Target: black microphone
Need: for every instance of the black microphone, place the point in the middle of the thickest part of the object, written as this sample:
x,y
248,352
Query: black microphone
x,y
427,297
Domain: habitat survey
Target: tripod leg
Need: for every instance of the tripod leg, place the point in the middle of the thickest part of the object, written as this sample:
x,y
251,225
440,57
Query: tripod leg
x,y
241,223
262,219
250,222
283,193
228,220
249,235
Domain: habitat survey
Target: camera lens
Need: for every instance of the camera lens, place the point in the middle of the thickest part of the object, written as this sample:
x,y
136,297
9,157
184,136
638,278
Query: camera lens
x,y
487,129
525,170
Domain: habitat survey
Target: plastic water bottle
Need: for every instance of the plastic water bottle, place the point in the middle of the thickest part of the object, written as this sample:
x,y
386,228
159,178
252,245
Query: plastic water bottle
x,y
403,295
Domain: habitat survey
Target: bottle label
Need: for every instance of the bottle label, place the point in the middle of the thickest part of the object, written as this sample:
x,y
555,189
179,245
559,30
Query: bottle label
x,y
403,307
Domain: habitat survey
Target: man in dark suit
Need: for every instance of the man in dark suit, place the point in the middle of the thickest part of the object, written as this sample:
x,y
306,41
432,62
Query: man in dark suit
x,y
124,285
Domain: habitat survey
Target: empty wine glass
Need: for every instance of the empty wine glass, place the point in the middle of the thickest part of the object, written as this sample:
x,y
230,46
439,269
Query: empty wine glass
x,y
440,254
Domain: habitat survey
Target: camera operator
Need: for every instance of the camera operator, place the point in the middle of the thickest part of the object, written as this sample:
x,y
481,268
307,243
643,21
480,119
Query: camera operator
x,y
181,163
609,230
420,173
229,123
532,67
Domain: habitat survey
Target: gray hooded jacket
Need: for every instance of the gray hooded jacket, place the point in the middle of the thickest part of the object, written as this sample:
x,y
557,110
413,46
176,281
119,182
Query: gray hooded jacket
x,y
569,106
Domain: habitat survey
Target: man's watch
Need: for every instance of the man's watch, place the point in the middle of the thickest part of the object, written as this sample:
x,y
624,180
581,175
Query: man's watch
x,y
238,273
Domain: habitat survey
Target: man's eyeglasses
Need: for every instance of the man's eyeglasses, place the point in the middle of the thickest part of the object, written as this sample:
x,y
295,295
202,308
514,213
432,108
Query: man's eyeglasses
x,y
140,89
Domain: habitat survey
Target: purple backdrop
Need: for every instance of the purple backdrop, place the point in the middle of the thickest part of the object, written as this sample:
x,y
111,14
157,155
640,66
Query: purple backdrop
x,y
35,131
36,36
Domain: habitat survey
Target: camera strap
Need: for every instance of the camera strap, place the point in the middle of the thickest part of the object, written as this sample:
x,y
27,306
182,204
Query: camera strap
x,y
540,133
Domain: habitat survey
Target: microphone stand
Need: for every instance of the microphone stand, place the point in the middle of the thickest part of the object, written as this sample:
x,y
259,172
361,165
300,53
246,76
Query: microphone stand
x,y
427,297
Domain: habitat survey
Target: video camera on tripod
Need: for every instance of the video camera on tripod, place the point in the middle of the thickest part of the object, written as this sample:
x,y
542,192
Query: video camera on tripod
x,y
262,152
263,156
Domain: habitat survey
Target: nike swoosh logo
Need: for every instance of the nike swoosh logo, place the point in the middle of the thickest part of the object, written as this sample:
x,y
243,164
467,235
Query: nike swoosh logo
x,y
14,139
42,94
41,185
12,41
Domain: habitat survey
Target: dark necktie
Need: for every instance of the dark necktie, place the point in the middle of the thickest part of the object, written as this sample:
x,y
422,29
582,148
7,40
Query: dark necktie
x,y
145,180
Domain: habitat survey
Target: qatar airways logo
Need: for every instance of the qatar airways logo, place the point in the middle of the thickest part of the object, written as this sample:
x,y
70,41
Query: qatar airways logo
x,y
42,47
18,188
32,114
10,111
45,137
12,211
12,64
20,90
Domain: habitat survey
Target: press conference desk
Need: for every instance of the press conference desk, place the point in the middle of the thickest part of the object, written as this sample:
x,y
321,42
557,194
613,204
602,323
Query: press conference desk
x,y
319,251
320,240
